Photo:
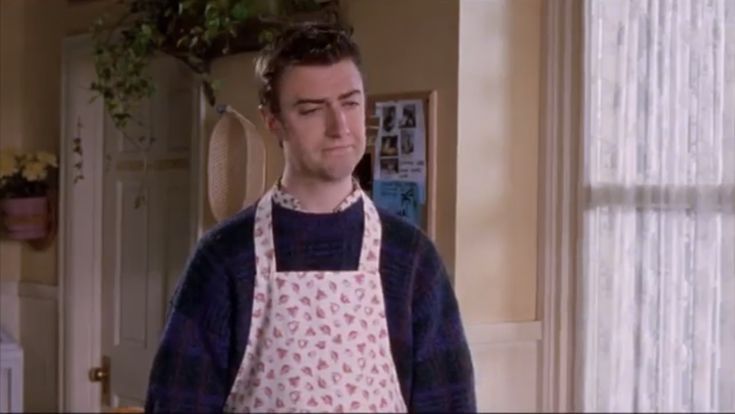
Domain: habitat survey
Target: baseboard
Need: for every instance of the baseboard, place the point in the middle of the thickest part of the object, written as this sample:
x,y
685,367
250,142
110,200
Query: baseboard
x,y
9,288
37,291
504,332
23,289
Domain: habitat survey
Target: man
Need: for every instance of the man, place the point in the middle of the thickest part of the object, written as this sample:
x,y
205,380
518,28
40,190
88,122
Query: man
x,y
313,300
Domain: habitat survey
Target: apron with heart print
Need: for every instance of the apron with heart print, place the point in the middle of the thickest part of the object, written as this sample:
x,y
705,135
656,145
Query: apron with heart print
x,y
318,340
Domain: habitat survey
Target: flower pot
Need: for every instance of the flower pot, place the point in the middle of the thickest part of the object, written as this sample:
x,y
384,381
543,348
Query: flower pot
x,y
25,218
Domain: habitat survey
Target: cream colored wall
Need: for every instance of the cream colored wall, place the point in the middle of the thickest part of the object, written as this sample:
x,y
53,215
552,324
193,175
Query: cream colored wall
x,y
41,119
30,106
497,166
497,159
407,46
11,119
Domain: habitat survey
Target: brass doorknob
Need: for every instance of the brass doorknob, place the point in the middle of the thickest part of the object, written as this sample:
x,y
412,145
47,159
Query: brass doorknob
x,y
102,375
98,374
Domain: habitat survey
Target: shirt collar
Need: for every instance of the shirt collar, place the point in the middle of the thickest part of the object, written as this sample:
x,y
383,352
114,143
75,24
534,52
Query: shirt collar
x,y
289,201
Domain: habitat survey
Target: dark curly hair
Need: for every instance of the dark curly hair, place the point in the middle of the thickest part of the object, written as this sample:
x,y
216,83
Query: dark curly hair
x,y
301,44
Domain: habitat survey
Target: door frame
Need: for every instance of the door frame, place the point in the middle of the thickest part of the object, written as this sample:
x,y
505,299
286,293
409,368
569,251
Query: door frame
x,y
560,196
80,273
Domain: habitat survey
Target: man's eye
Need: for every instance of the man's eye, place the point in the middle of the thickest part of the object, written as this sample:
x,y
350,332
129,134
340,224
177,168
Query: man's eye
x,y
351,104
308,111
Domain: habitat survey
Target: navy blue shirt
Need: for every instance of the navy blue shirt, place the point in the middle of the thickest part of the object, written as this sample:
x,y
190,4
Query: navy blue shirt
x,y
204,338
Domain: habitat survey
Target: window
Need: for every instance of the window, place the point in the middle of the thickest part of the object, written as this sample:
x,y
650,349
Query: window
x,y
658,239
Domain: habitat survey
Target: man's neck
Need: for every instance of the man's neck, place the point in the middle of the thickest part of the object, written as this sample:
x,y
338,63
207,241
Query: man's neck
x,y
317,196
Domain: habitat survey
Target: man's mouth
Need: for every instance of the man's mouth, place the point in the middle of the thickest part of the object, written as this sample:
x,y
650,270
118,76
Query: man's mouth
x,y
339,148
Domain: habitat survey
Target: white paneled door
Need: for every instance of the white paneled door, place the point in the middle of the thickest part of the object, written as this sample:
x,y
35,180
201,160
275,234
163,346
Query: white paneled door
x,y
147,227
127,227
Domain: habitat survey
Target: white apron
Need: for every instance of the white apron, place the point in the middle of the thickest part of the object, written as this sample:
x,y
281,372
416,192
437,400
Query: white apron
x,y
318,339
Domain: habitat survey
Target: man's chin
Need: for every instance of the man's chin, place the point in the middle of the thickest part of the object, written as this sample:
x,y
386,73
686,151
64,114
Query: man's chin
x,y
338,174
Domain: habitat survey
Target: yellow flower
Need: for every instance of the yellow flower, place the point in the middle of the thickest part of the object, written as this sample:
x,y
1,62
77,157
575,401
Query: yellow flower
x,y
34,171
8,164
47,158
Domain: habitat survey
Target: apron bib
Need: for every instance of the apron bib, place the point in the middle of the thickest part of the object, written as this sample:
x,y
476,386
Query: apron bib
x,y
318,340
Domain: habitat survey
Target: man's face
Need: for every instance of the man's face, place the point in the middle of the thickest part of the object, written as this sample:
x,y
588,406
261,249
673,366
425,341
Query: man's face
x,y
322,120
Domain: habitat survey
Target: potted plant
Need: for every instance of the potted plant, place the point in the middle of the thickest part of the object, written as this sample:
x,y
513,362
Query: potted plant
x,y
25,179
193,31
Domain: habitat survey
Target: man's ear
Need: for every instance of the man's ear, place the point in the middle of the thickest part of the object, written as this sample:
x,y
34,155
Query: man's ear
x,y
271,121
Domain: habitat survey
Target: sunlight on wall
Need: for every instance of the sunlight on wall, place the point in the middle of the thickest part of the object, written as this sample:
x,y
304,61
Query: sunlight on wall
x,y
497,159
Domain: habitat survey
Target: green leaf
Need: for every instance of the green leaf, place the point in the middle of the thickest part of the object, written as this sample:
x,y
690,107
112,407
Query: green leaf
x,y
240,11
209,10
213,23
145,28
266,36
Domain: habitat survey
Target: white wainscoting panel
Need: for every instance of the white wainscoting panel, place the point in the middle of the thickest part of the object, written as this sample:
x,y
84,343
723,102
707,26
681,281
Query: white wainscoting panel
x,y
507,366
9,308
38,305
11,374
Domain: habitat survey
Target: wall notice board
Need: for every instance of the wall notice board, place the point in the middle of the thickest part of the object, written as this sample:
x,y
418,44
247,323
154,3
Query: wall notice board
x,y
399,167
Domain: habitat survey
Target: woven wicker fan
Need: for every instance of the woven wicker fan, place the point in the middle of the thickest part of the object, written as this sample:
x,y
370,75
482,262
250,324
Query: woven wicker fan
x,y
236,164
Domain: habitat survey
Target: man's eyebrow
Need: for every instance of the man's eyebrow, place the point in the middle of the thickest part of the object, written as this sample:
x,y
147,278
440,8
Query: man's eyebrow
x,y
321,101
350,94
309,101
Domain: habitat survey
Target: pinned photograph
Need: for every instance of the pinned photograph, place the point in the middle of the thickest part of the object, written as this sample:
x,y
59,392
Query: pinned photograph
x,y
388,167
389,146
389,118
407,142
408,118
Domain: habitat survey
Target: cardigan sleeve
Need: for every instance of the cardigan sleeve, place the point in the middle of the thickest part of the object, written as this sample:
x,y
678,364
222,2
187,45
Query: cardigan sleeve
x,y
190,369
443,378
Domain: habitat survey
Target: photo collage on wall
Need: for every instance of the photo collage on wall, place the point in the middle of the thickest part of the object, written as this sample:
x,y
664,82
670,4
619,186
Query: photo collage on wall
x,y
399,179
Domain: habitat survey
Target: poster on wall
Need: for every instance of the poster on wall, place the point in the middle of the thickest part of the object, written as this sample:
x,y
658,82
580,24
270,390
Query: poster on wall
x,y
400,198
399,172
400,146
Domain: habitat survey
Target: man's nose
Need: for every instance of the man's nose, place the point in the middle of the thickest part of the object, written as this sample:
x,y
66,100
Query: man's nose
x,y
337,123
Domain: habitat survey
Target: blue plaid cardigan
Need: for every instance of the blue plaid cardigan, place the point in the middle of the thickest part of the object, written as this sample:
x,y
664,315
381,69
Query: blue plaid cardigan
x,y
206,332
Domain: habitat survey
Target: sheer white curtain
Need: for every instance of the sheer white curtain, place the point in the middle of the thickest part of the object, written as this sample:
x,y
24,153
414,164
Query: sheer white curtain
x,y
658,255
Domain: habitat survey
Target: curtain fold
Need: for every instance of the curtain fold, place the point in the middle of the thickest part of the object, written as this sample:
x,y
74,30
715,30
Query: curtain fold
x,y
658,246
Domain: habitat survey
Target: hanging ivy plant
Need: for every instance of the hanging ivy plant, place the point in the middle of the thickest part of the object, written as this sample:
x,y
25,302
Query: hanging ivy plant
x,y
193,31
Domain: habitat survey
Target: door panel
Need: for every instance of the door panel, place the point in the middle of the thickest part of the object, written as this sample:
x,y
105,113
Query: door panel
x,y
146,227
132,268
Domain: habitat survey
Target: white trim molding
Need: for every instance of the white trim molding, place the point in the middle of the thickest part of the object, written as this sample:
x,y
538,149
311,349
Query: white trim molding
x,y
28,289
559,195
37,291
79,235
10,308
494,333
